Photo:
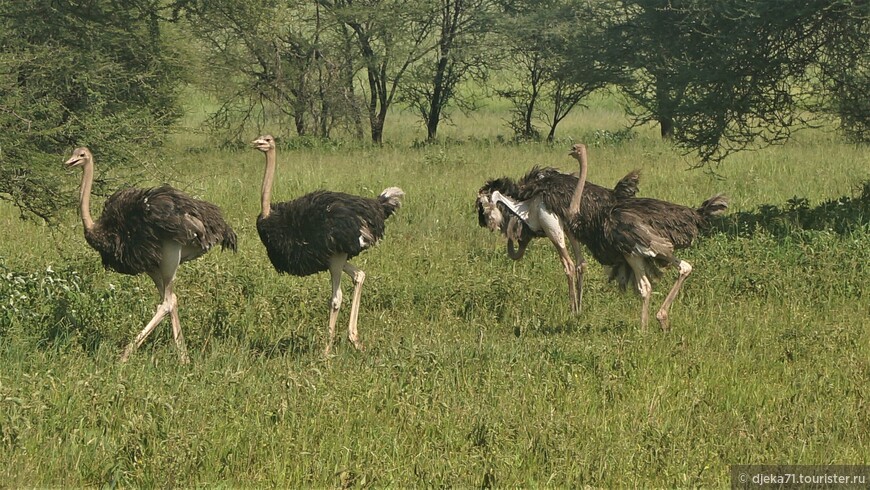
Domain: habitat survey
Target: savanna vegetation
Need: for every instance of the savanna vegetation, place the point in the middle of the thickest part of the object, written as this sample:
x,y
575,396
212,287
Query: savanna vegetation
x,y
475,373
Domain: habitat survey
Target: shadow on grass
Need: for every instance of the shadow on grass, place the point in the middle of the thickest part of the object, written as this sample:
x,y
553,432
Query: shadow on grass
x,y
842,216
573,326
293,344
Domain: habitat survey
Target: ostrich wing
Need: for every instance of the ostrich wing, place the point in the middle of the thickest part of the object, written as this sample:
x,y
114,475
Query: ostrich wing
x,y
524,210
627,186
174,215
630,232
356,223
652,227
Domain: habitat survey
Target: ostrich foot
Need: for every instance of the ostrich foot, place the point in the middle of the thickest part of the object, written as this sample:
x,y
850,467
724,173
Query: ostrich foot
x,y
357,343
664,321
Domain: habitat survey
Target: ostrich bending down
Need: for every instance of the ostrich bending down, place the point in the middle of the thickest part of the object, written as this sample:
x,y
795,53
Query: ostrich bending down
x,y
537,206
151,231
635,237
320,231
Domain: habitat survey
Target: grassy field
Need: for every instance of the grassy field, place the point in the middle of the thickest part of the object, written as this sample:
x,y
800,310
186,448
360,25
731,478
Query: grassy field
x,y
475,374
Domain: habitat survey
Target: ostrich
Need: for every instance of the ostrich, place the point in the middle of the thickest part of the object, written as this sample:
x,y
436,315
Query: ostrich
x,y
635,237
321,231
537,205
151,231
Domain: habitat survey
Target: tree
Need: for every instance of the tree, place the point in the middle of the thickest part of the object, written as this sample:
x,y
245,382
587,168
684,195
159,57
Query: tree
x,y
725,76
391,35
842,84
271,61
460,53
552,43
71,74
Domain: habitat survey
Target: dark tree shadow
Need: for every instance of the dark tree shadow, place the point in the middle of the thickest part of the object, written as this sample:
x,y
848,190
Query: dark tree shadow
x,y
842,216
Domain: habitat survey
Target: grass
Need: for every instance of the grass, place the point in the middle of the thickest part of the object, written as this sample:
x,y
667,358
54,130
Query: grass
x,y
475,374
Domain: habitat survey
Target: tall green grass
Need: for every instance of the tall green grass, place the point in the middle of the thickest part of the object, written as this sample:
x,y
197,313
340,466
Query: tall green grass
x,y
475,374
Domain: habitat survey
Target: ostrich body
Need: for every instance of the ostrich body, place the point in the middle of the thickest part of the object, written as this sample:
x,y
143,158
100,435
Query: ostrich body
x,y
537,205
152,231
321,231
638,236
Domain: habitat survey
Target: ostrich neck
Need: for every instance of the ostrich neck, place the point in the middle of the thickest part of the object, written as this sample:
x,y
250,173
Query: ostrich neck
x,y
574,207
267,183
87,183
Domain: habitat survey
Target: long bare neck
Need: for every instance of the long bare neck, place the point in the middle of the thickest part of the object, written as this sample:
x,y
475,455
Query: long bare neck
x,y
85,198
268,177
574,207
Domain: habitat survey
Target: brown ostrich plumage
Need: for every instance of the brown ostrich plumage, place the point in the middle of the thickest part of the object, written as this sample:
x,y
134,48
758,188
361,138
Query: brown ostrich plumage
x,y
151,231
545,193
636,237
321,231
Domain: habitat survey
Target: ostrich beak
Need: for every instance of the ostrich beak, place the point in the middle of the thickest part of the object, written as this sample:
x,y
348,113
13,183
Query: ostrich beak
x,y
73,161
260,144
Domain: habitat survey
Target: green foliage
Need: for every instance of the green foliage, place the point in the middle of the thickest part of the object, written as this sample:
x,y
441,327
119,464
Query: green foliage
x,y
270,63
90,73
475,373
461,54
551,48
737,74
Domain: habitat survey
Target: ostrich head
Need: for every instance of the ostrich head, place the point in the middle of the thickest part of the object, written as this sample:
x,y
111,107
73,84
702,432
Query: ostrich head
x,y
488,213
80,157
577,149
264,143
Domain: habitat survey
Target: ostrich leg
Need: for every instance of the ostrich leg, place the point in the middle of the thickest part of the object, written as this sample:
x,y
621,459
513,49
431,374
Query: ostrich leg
x,y
570,273
171,259
643,285
662,315
162,309
358,277
163,279
514,231
336,266
176,331
553,229
579,271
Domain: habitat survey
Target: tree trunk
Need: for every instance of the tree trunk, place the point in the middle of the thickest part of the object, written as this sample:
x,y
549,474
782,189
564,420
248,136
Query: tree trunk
x,y
377,130
437,98
375,121
666,105
299,119
667,127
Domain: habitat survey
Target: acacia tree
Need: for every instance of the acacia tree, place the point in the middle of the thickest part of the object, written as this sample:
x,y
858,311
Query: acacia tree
x,y
650,39
723,77
391,35
552,42
843,82
460,53
272,61
71,74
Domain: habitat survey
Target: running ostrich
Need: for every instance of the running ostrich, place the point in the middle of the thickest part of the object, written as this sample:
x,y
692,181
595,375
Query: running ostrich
x,y
536,206
635,237
151,231
321,231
